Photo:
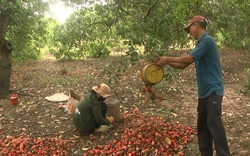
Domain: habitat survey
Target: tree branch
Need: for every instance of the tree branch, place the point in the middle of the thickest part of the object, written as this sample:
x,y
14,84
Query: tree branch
x,y
189,6
222,31
150,9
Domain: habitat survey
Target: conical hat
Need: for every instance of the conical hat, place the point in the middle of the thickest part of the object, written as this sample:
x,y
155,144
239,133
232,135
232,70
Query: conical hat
x,y
103,90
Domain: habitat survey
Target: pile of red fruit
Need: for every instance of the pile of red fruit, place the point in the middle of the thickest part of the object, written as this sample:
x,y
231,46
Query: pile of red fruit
x,y
139,134
146,135
26,146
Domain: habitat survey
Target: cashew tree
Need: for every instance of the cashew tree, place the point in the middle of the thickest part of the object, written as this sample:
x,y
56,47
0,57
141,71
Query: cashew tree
x,y
5,48
20,27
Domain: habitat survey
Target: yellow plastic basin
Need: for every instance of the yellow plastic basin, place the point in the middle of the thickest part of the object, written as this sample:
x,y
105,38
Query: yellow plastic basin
x,y
152,74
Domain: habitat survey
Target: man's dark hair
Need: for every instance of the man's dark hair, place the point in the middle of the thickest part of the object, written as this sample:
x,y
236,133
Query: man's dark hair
x,y
203,25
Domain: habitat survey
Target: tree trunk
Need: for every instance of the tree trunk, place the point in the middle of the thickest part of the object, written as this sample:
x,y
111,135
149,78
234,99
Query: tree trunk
x,y
5,54
5,67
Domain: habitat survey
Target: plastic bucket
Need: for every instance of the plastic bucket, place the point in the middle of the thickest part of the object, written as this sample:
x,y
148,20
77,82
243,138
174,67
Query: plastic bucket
x,y
152,74
14,99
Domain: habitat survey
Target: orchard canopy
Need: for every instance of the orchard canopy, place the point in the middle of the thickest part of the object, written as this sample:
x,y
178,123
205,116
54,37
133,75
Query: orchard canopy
x,y
97,28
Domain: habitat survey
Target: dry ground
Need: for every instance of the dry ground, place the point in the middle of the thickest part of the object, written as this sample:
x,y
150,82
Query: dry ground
x,y
40,118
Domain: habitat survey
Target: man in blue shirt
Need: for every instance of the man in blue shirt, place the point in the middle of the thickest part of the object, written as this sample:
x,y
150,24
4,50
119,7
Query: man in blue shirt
x,y
210,86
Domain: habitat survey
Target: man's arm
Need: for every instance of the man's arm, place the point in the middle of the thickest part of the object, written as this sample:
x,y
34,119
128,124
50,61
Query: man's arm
x,y
176,62
96,109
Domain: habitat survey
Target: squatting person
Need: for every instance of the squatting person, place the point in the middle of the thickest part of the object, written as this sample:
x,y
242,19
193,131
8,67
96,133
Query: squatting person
x,y
91,110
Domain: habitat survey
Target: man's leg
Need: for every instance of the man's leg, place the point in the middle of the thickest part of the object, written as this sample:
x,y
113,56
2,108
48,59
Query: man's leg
x,y
79,128
204,137
216,126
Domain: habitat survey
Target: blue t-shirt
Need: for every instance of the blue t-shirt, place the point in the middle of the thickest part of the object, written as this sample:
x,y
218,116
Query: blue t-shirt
x,y
208,69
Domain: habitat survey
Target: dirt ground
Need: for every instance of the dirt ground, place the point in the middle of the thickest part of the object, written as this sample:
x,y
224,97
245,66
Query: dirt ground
x,y
36,116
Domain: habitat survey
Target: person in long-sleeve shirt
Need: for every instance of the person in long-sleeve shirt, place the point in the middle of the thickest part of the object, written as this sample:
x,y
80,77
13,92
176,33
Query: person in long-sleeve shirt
x,y
91,110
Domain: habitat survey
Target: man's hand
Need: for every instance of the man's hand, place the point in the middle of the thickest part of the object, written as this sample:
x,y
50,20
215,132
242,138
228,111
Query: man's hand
x,y
111,119
160,60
